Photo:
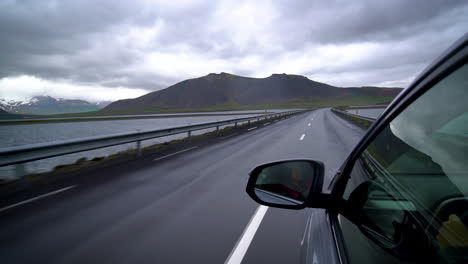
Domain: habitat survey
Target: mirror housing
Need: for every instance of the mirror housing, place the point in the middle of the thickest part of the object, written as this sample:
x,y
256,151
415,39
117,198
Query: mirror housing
x,y
290,184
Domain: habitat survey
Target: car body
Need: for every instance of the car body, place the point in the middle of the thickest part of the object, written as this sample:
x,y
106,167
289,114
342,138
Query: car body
x,y
401,196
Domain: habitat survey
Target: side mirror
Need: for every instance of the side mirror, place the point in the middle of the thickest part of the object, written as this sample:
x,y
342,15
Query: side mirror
x,y
286,184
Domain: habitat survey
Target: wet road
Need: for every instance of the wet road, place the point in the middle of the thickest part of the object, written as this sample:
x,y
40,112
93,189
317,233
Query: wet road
x,y
188,207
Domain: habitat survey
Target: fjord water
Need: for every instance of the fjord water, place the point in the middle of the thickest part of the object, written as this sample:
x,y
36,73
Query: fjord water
x,y
16,135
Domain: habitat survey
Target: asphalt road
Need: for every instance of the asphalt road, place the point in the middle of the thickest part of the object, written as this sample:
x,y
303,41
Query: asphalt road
x,y
186,208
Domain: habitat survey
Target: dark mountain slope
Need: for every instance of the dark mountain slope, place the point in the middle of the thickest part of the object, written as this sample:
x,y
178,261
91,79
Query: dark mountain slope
x,y
224,89
4,115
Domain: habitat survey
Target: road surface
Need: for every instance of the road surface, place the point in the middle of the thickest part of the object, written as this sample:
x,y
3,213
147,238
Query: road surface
x,y
190,207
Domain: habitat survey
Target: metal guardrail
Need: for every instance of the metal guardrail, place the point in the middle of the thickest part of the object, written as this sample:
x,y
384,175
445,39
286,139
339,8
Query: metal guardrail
x,y
353,115
32,152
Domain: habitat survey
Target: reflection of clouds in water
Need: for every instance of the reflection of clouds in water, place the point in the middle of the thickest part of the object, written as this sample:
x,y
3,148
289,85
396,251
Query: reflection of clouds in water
x,y
425,119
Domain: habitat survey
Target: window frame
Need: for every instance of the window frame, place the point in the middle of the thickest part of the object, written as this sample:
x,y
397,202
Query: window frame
x,y
450,61
453,58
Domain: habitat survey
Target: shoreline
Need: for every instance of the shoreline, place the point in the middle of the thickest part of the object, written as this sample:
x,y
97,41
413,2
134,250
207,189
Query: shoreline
x,y
107,118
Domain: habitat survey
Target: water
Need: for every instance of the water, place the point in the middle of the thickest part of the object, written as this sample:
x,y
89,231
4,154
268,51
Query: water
x,y
367,112
168,114
16,135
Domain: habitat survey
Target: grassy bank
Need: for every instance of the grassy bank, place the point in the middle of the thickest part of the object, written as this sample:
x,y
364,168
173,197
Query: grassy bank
x,y
298,103
97,118
365,124
304,103
83,167
129,154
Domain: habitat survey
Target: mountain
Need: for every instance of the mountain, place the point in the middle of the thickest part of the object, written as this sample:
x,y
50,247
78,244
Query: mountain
x,y
4,115
102,104
226,89
46,105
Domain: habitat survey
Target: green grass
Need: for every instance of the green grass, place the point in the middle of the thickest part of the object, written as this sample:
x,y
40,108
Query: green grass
x,y
131,152
358,121
85,119
232,106
297,103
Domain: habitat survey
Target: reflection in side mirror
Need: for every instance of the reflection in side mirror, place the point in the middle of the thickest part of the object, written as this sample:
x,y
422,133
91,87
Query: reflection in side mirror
x,y
285,184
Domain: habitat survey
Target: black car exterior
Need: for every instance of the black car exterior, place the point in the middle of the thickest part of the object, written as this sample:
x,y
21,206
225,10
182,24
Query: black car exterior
x,y
402,194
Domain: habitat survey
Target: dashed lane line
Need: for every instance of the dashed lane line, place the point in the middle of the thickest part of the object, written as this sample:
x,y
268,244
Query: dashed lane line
x,y
37,198
175,153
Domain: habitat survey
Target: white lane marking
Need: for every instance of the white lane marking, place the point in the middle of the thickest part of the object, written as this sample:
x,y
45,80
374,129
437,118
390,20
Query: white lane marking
x,y
314,259
306,230
239,250
251,128
302,137
229,136
266,124
37,198
308,124
175,153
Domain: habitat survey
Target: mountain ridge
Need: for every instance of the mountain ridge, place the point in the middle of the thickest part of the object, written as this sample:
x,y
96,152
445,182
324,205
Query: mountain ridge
x,y
215,90
46,105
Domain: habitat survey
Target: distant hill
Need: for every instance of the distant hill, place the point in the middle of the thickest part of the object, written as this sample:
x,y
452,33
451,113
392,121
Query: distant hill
x,y
46,105
4,112
4,115
224,89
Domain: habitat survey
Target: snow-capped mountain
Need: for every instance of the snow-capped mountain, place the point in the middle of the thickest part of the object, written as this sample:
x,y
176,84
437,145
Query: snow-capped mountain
x,y
46,105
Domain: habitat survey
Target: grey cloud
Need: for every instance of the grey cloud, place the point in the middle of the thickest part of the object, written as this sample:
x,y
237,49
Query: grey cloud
x,y
58,39
356,21
39,28
33,30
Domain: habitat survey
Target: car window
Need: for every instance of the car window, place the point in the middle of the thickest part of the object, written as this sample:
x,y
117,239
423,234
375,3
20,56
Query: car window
x,y
409,187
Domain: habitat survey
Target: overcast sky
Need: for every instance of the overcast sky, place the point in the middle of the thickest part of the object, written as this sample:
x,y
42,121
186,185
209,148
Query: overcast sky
x,y
109,50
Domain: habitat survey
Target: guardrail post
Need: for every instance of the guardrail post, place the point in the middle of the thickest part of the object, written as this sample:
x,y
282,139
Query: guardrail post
x,y
20,170
235,124
138,148
189,134
248,122
217,129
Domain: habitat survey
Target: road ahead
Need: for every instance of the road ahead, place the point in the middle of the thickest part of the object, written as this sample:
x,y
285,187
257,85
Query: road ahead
x,y
186,208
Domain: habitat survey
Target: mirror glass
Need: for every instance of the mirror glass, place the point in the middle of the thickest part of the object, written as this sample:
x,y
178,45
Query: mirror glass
x,y
285,183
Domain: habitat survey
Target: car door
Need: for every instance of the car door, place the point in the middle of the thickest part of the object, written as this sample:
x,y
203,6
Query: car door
x,y
407,181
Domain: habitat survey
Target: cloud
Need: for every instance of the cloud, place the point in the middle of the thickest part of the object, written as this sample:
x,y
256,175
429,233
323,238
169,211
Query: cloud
x,y
25,87
148,45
